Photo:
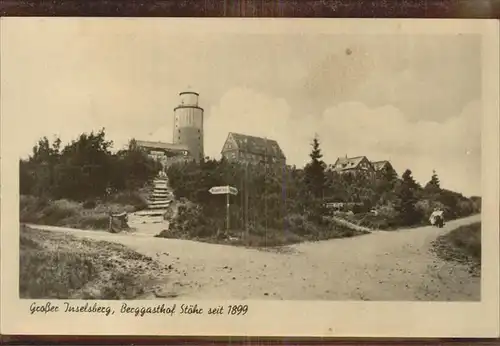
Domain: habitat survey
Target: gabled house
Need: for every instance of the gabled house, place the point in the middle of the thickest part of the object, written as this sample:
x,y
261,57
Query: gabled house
x,y
252,150
353,165
381,166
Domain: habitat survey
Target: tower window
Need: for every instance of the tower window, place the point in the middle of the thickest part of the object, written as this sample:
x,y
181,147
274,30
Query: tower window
x,y
198,131
179,131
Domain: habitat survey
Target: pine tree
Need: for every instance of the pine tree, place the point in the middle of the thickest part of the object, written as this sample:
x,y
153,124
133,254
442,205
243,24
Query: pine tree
x,y
433,185
315,177
408,179
406,199
315,182
390,176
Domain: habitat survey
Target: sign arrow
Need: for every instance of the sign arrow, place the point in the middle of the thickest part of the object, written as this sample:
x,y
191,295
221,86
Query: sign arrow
x,y
223,190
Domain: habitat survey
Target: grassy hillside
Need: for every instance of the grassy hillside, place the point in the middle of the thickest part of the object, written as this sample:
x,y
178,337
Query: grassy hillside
x,y
60,266
79,184
67,213
462,245
191,223
281,205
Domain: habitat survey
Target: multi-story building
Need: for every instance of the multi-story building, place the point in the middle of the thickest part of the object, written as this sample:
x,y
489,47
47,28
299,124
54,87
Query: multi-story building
x,y
252,150
381,166
361,164
353,165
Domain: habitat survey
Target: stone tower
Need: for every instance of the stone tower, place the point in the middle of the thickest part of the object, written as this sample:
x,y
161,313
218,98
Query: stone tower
x,y
188,124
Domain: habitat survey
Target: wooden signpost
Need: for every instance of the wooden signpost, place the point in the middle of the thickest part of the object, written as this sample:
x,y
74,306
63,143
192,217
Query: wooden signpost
x,y
224,190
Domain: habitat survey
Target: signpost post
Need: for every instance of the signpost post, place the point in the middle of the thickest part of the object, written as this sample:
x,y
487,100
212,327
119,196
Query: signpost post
x,y
224,190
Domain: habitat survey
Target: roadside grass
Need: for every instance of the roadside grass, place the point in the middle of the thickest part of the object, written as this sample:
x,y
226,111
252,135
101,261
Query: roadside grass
x,y
279,238
62,266
66,213
272,238
462,245
192,222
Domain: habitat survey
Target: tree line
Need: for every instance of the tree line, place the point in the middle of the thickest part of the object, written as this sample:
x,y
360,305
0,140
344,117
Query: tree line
x,y
84,169
270,197
288,197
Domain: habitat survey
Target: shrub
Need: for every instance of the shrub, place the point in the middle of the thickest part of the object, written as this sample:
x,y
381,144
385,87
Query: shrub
x,y
90,204
132,198
67,213
84,169
427,206
190,222
300,225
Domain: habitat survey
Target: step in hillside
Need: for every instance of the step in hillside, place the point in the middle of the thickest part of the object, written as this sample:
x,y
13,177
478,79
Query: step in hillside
x,y
161,196
161,205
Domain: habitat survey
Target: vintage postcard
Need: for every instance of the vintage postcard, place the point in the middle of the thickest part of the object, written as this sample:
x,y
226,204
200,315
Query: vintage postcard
x,y
250,177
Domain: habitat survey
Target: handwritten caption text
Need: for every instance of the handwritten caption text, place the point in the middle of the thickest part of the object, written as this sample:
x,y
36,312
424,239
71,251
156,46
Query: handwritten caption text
x,y
137,310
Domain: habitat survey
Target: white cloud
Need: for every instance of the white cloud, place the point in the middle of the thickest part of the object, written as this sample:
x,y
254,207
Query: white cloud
x,y
65,77
245,111
452,148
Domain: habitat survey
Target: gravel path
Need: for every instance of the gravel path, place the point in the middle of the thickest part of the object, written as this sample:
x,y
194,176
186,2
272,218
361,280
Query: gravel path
x,y
383,266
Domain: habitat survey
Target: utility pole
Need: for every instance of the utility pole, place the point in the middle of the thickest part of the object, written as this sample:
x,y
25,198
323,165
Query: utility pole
x,y
225,190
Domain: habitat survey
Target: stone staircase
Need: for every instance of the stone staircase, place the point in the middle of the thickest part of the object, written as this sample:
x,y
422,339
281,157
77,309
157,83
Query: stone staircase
x,y
161,196
158,202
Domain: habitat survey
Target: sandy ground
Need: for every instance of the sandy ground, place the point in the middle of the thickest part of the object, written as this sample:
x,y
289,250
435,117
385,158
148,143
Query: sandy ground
x,y
382,266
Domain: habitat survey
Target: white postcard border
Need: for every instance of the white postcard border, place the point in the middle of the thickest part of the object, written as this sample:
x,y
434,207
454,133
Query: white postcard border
x,y
278,318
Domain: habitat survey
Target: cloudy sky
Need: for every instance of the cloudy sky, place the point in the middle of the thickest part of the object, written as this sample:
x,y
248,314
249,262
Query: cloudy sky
x,y
410,99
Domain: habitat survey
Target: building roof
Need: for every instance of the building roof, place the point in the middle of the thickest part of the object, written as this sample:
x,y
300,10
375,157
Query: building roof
x,y
257,145
378,165
344,163
162,145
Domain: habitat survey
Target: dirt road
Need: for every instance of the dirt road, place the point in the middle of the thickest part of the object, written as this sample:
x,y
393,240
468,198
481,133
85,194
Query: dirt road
x,y
379,266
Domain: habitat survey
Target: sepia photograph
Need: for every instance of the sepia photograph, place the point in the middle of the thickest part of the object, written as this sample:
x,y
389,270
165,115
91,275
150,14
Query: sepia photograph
x,y
179,165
